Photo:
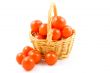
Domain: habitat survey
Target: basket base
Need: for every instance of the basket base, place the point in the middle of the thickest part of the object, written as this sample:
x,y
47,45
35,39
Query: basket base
x,y
62,47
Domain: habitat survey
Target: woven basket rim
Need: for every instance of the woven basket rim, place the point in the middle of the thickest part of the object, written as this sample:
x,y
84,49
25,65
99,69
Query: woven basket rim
x,y
73,35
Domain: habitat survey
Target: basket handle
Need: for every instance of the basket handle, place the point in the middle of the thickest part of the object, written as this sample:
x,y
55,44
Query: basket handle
x,y
53,10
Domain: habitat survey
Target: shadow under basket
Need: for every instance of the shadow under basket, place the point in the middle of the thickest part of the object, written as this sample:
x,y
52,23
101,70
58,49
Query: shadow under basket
x,y
62,47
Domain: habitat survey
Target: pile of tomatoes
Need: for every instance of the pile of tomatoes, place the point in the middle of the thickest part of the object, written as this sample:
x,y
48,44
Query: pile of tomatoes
x,y
59,29
29,57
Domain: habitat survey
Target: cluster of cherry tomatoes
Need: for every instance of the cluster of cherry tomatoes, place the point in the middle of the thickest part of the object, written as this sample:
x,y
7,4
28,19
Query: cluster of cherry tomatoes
x,y
59,29
29,57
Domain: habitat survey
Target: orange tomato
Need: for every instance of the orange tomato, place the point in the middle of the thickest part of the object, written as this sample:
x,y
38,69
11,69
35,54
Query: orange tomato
x,y
26,50
58,22
28,63
20,57
35,25
38,36
43,29
50,58
56,34
35,55
67,32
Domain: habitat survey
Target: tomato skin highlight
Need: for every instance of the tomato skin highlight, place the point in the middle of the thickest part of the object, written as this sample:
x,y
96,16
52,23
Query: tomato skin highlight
x,y
28,63
26,50
43,29
51,58
56,34
35,55
67,32
35,25
58,22
20,57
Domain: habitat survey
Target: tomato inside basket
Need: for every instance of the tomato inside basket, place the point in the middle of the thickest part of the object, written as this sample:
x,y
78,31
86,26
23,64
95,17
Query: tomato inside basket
x,y
59,29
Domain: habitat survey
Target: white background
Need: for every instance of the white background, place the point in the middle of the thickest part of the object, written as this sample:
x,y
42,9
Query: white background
x,y
90,18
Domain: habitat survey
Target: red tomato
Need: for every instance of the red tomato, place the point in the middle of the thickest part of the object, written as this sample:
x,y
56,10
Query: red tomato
x,y
26,50
50,58
35,55
35,25
20,57
38,36
58,22
43,29
67,32
56,34
28,63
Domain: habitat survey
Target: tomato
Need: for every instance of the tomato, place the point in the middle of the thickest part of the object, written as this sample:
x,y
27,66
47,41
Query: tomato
x,y
35,55
50,58
35,25
56,34
26,50
38,36
43,29
20,57
67,32
58,22
28,63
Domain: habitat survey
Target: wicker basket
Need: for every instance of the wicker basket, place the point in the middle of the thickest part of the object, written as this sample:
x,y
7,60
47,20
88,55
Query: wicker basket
x,y
61,47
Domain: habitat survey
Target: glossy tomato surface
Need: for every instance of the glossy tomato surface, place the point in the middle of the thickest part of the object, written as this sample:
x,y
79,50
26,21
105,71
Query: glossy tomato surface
x,y
67,32
28,63
43,29
20,57
35,55
56,34
26,50
35,25
51,58
58,22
